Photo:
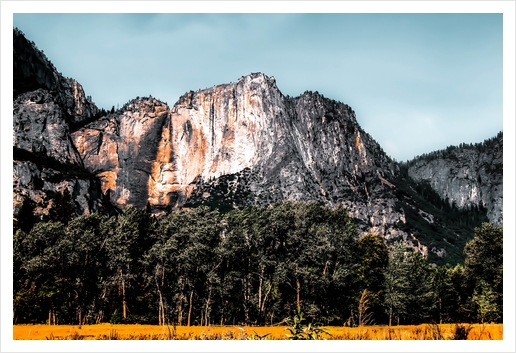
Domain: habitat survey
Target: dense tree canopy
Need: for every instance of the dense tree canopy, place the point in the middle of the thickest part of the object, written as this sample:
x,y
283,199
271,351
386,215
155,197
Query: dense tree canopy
x,y
247,266
483,271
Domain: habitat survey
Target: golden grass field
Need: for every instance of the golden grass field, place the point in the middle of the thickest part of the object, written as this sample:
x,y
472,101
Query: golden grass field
x,y
153,332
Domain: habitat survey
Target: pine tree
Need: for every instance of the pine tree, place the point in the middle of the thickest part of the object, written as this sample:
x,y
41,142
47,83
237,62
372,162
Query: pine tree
x,y
396,284
483,267
25,218
62,209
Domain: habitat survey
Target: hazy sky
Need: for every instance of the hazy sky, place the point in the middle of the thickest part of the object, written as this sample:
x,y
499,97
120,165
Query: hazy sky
x,y
417,82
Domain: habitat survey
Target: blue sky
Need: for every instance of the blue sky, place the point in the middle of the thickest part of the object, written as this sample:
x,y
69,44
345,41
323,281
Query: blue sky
x,y
417,82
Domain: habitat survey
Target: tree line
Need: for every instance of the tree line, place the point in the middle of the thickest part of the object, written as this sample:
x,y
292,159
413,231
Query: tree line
x,y
449,152
247,266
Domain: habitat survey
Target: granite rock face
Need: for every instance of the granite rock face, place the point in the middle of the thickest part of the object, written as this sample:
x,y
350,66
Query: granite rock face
x,y
39,125
121,149
241,144
46,108
467,176
38,182
32,70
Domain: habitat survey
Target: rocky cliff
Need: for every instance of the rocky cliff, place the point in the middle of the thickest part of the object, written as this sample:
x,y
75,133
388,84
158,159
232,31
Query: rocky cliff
x,y
122,149
46,107
467,175
241,144
232,145
32,70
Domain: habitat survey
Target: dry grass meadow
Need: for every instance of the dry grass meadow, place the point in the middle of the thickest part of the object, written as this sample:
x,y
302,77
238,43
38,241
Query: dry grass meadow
x,y
153,332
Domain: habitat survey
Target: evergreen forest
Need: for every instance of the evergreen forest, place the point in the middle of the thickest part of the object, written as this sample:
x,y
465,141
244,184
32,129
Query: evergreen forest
x,y
255,266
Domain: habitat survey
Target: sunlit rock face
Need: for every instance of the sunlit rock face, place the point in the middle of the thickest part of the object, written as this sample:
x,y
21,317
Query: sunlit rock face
x,y
467,177
227,128
121,149
218,131
241,144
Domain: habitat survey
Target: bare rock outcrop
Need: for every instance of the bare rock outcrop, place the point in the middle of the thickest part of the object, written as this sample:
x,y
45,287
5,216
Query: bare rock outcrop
x,y
39,125
46,108
241,144
121,149
32,71
38,183
471,175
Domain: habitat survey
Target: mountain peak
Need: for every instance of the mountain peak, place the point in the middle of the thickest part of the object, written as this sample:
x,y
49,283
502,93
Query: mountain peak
x,y
257,77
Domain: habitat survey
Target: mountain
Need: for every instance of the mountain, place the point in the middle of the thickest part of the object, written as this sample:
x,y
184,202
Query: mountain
x,y
233,145
240,144
46,108
466,175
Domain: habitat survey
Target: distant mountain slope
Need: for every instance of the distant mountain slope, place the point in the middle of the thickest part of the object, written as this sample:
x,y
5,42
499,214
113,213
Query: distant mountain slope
x,y
467,175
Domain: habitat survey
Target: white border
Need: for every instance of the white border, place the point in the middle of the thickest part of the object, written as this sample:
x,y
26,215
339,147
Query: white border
x,y
505,7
